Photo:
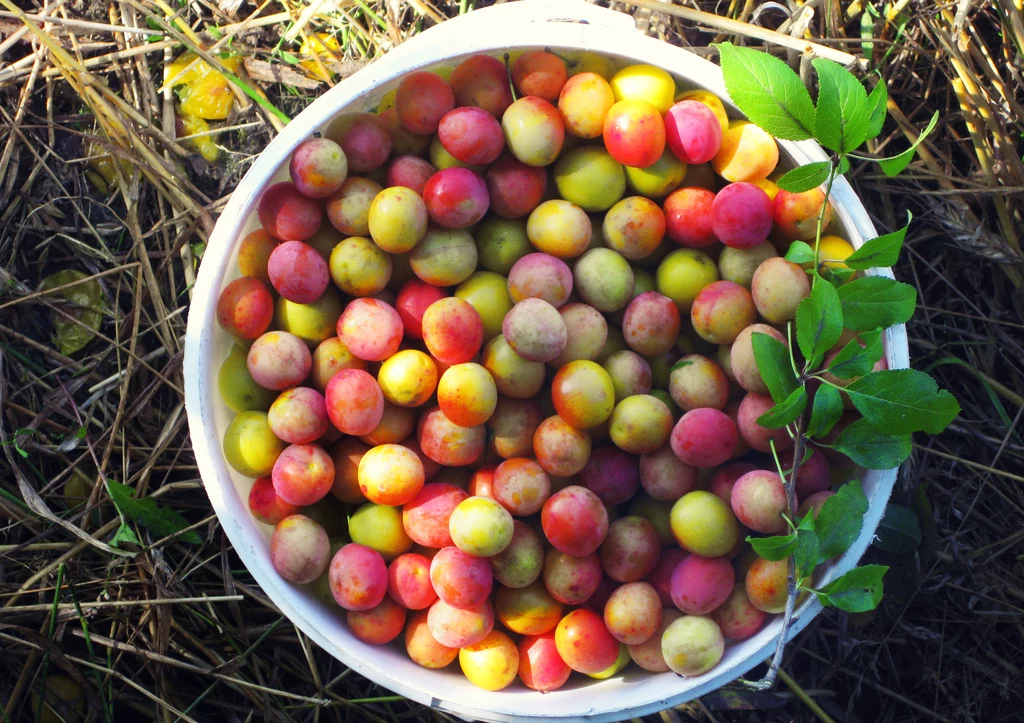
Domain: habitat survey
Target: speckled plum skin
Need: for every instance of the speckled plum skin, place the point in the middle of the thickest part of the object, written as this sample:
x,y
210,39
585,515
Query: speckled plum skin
x,y
778,287
633,613
759,499
299,549
631,549
575,521
540,276
721,311
359,577
700,584
245,308
742,361
737,617
570,579
651,324
704,437
286,214
535,330
758,437
611,474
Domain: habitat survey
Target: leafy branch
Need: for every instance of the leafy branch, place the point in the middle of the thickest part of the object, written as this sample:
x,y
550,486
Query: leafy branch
x,y
813,382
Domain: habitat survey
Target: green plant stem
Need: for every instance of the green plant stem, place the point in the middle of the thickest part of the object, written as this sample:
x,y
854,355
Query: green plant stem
x,y
821,220
804,697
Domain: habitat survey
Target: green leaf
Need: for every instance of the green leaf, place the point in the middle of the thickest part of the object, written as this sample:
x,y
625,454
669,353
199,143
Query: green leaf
x,y
877,101
806,554
83,302
881,251
773,362
147,513
819,322
871,447
804,178
786,411
899,532
876,302
840,520
682,363
774,548
825,412
858,357
893,166
903,401
768,92
289,58
857,591
124,534
841,119
800,253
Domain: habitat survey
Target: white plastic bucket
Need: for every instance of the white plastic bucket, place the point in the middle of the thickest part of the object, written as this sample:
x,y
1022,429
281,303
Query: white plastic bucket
x,y
558,24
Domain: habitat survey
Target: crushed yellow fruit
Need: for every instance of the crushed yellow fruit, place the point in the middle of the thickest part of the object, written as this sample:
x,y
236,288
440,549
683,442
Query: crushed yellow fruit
x,y
204,145
322,45
206,91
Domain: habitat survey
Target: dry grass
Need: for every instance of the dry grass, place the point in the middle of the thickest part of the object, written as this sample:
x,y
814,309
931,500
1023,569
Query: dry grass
x,y
179,631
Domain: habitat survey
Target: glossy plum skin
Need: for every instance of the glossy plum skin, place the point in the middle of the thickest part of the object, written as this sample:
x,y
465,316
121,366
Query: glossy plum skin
x,y
699,585
704,437
533,131
651,324
513,376
704,525
541,668
693,132
460,579
535,330
688,217
640,424
584,102
482,81
253,253
279,360
648,654
612,474
539,73
634,133
515,188
447,443
742,361
355,403
303,474
633,613
512,427
766,585
741,215
737,617
452,330
422,100
778,287
409,171
528,610
796,214
299,416
412,301
299,549
724,479
571,580
575,521
467,395
491,663
359,577
364,138
409,582
318,167
371,329
472,135
634,227
408,379
721,311
480,526
298,272
422,647
426,516
378,625
456,198
265,505
390,474
348,208
519,564
584,642
758,437
664,476
696,381
561,449
759,499
245,308
631,549
692,645
521,486
286,214
456,627
540,276
582,394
